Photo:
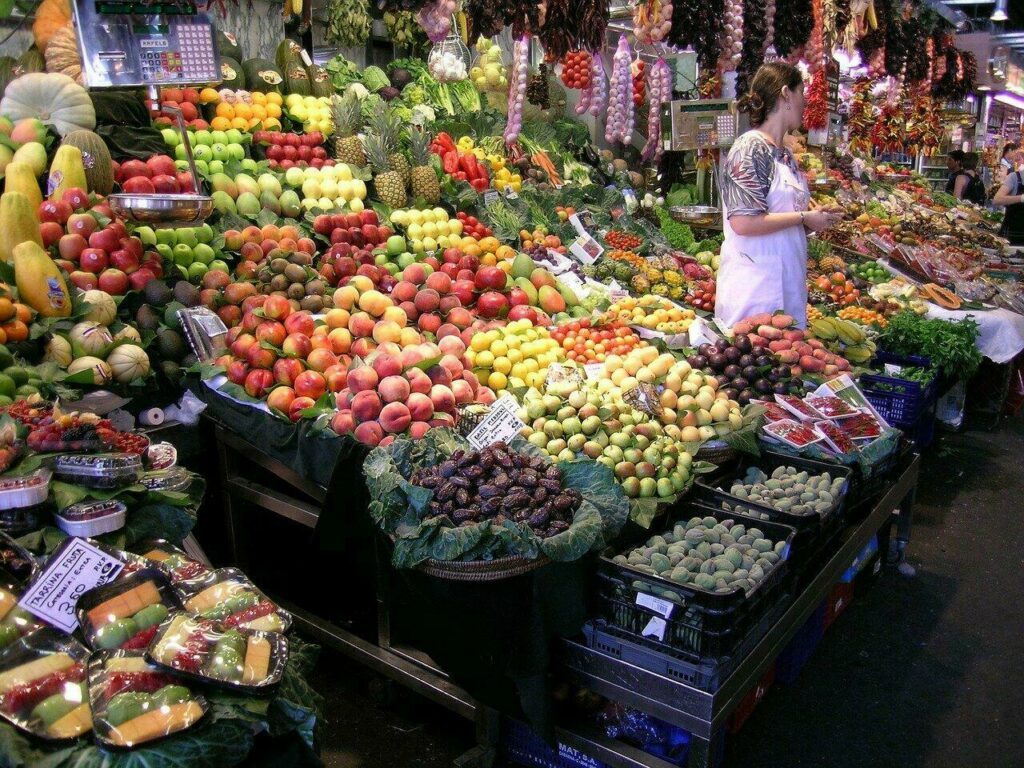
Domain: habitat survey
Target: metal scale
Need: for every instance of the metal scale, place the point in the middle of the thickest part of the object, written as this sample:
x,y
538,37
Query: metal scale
x,y
700,126
148,44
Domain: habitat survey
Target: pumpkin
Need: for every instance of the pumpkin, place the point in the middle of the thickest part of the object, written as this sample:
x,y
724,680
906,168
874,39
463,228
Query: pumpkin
x,y
51,97
99,170
62,54
51,15
128,362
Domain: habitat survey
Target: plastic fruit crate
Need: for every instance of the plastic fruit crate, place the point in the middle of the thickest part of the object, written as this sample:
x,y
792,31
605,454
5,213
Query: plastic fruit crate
x,y
907,405
522,747
693,622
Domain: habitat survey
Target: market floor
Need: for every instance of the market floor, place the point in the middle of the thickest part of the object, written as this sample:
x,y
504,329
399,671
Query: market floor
x,y
921,671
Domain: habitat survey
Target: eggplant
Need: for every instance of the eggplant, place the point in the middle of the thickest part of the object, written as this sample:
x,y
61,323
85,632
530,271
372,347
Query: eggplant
x,y
749,372
732,371
717,361
745,396
740,383
746,360
732,354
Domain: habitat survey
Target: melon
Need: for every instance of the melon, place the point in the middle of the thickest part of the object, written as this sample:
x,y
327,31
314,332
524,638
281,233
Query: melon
x,y
128,333
58,350
228,46
91,339
231,74
102,308
99,170
101,373
262,75
128,362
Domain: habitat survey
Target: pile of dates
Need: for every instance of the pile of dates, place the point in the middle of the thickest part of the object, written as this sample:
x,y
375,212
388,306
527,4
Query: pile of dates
x,y
499,484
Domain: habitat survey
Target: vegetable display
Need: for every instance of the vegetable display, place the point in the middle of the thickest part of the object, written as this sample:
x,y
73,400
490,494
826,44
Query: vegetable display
x,y
517,93
788,489
619,122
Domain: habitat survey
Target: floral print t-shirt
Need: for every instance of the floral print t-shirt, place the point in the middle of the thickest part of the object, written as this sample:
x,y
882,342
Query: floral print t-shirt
x,y
749,171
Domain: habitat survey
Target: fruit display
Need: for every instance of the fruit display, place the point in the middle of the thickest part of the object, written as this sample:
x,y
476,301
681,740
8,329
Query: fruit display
x,y
838,287
803,350
313,112
229,598
135,702
863,316
586,342
173,561
41,686
843,337
126,614
287,150
427,230
238,658
708,554
651,313
516,355
745,371
15,621
870,272
787,489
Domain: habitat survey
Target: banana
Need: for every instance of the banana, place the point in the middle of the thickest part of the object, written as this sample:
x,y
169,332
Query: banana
x,y
824,328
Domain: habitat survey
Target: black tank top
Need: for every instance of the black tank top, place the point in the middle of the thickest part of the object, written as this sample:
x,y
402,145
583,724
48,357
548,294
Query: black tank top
x,y
1013,219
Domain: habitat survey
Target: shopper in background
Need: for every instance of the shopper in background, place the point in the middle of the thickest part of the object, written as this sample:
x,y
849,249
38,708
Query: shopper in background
x,y
1006,165
954,163
968,185
765,201
1011,194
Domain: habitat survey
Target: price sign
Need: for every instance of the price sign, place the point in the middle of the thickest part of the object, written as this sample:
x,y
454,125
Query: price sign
x,y
510,193
490,197
586,249
572,281
582,222
500,425
656,604
75,568
594,370
655,628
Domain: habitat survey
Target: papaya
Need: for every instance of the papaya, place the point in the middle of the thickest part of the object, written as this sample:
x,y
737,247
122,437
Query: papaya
x,y
18,224
67,171
20,177
40,283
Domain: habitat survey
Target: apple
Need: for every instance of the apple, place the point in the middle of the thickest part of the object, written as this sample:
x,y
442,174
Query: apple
x,y
50,232
140,277
133,168
105,240
139,185
55,210
93,260
125,261
84,281
77,198
82,224
165,184
71,246
161,165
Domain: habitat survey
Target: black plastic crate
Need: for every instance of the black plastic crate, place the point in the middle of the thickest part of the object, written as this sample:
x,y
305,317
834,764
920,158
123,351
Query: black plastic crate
x,y
865,490
700,624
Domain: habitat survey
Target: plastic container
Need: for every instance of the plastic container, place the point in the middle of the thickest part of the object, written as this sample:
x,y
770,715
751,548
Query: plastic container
x,y
17,522
15,621
16,560
898,401
26,491
43,688
173,479
161,456
692,621
229,598
99,470
237,659
136,703
126,613
91,518
173,561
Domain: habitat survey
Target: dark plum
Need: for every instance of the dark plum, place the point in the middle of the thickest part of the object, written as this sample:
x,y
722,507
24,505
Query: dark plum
x,y
723,379
732,371
698,361
758,351
732,392
706,349
763,360
743,344
746,360
750,372
721,345
745,396
717,361
732,354
762,386
780,388
740,383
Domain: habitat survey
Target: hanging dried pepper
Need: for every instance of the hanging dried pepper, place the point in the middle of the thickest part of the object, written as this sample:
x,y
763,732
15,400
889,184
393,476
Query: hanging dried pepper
x,y
793,22
754,34
816,101
815,53
699,23
862,116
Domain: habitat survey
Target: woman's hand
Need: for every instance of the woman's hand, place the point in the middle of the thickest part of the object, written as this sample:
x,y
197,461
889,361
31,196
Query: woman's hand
x,y
822,219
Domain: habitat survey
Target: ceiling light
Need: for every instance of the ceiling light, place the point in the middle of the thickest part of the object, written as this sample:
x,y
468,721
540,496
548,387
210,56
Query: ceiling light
x,y
999,14
1010,100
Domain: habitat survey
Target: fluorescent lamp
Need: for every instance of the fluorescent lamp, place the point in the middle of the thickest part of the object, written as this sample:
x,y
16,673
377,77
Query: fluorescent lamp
x,y
1010,100
999,14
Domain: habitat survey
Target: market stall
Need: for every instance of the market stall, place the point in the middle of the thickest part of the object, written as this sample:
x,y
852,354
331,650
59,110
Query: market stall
x,y
440,318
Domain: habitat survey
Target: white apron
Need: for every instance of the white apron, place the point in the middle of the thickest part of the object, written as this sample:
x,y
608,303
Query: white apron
x,y
766,273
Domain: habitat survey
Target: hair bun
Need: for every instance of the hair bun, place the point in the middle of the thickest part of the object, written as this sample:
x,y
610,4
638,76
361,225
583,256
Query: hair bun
x,y
750,102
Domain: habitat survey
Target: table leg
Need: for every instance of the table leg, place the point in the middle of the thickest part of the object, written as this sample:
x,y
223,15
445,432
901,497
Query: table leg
x,y
897,554
236,552
707,753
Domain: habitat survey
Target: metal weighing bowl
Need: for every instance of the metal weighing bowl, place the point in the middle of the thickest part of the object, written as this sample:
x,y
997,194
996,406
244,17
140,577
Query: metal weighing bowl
x,y
825,185
697,215
180,210
892,178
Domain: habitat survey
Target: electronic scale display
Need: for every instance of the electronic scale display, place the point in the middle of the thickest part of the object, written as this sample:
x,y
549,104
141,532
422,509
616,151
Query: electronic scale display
x,y
704,124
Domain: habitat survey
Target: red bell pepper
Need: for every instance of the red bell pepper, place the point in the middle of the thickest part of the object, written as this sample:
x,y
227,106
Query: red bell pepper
x,y
450,161
480,185
468,164
445,141
460,176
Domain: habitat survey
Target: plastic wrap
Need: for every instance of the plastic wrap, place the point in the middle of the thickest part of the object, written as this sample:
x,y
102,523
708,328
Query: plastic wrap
x,y
228,597
15,621
136,702
174,562
99,470
173,479
25,491
126,613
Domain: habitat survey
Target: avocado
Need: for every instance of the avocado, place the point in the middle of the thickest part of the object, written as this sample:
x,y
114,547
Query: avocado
x,y
147,318
17,374
186,293
157,293
170,345
172,371
6,358
7,385
171,315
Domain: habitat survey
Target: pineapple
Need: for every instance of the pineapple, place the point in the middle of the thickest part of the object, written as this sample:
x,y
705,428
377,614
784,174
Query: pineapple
x,y
347,147
388,183
388,126
423,178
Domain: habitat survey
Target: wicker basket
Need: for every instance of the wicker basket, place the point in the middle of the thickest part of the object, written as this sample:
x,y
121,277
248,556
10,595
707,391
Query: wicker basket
x,y
481,570
716,452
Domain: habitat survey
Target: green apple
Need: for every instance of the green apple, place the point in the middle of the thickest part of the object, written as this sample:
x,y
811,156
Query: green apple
x,y
204,138
380,259
146,235
204,233
294,177
166,236
166,251
216,166
248,164
220,152
219,137
396,245
171,137
187,236
405,259
248,204
183,271
196,271
268,183
223,202
179,153
181,165
234,136
219,265
203,253
183,255
392,268
236,152
203,152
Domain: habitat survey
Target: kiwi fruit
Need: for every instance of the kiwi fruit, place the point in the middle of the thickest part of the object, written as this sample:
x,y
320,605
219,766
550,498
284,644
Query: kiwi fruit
x,y
312,303
279,265
295,273
315,288
296,291
279,283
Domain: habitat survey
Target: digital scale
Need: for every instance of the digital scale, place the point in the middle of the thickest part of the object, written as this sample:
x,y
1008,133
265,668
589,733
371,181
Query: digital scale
x,y
148,44
702,124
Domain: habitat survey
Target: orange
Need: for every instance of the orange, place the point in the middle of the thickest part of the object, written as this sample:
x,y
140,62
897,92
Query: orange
x,y
208,96
275,98
243,110
220,124
225,110
24,312
489,244
259,98
240,123
473,249
505,252
259,111
488,260
15,330
7,310
273,110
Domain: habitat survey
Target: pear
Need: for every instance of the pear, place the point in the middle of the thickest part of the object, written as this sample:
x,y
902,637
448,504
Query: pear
x,y
522,266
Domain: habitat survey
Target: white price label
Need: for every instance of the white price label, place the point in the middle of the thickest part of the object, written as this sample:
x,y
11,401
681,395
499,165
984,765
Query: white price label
x,y
500,425
891,369
75,568
572,281
304,55
656,604
582,221
510,193
655,628
586,249
490,197
594,370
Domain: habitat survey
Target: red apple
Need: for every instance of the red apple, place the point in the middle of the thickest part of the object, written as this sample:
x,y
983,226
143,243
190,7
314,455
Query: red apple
x,y
84,281
82,224
165,184
132,168
77,198
139,185
50,232
93,260
55,210
139,278
185,184
161,165
133,245
105,239
125,261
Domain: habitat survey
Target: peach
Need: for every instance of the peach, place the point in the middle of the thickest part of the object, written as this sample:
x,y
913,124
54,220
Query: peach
x,y
486,395
389,348
320,341
460,317
297,345
415,274
447,329
252,234
337,317
439,282
418,429
418,381
440,375
366,405
343,399
286,369
394,417
453,365
369,433
427,300
321,359
462,391
411,313
387,330
450,344
443,399
300,322
448,303
388,440
410,356
363,347
374,302
404,290
342,422
385,365
410,337
336,377
442,420
421,407
361,325
428,323
361,283
363,379
281,398
396,315
346,296
310,384
341,340
470,378
394,389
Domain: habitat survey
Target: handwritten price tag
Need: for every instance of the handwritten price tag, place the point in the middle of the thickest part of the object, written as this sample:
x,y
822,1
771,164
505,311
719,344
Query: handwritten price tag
x,y
500,425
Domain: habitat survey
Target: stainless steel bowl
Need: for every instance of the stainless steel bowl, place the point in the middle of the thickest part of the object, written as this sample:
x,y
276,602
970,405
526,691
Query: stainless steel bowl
x,y
892,178
697,215
824,185
173,210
